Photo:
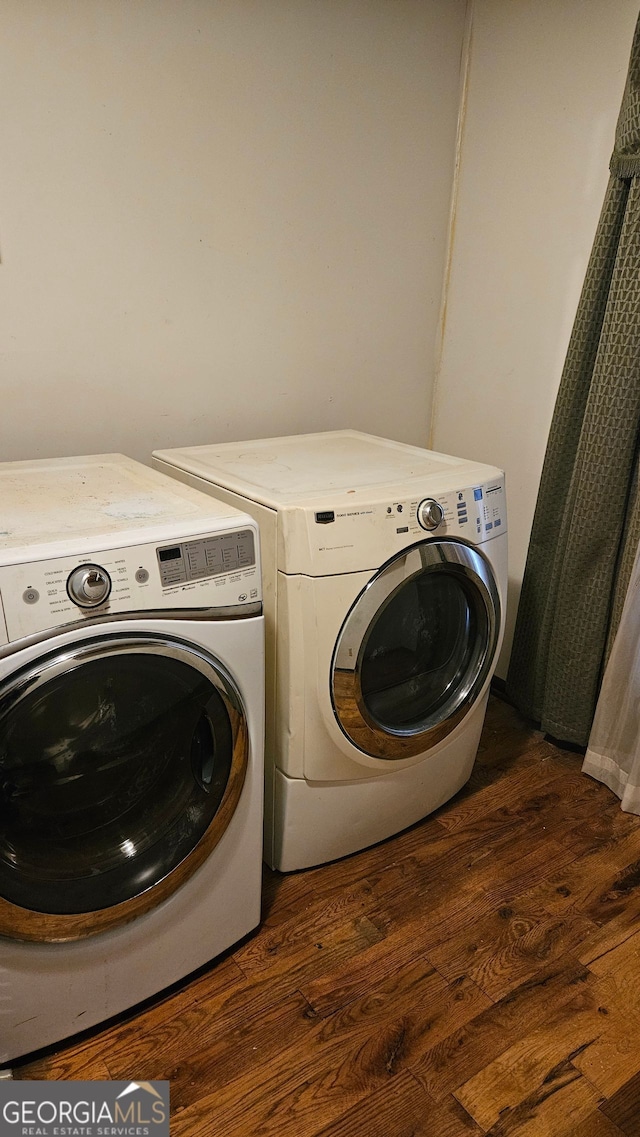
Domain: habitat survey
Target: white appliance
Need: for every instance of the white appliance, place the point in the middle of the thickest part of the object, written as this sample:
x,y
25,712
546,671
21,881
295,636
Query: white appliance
x,y
131,739
385,575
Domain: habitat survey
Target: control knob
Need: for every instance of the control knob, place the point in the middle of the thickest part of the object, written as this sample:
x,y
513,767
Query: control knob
x,y
430,513
89,585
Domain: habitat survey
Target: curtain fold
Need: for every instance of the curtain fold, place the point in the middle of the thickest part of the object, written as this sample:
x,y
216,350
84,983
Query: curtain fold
x,y
613,754
587,518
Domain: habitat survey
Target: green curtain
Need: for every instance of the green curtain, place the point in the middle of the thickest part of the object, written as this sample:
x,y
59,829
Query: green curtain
x,y
586,526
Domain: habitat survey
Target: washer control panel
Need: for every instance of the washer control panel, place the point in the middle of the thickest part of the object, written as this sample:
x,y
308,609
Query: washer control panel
x,y
210,571
207,556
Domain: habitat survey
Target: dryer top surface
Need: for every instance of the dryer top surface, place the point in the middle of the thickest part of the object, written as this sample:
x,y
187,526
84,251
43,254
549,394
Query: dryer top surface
x,y
47,506
296,470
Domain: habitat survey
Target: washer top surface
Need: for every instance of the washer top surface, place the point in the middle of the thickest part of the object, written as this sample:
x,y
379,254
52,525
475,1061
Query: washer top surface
x,y
48,504
295,470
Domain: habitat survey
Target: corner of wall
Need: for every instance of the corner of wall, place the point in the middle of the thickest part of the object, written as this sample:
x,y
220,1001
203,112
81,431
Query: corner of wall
x,y
465,67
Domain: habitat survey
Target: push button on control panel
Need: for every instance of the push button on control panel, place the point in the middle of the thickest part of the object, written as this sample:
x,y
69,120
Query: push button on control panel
x,y
142,576
31,596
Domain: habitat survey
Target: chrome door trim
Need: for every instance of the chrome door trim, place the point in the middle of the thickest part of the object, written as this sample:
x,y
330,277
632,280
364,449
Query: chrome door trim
x,y
70,656
214,615
439,555
25,924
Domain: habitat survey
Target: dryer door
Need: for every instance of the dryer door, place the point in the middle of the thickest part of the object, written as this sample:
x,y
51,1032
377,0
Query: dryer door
x,y
416,649
122,759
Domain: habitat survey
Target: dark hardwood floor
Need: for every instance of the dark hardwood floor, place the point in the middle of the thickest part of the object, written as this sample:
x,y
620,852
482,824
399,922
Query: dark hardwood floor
x,y
478,974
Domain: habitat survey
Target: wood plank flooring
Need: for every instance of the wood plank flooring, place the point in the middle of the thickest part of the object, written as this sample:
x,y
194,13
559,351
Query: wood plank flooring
x,y
477,974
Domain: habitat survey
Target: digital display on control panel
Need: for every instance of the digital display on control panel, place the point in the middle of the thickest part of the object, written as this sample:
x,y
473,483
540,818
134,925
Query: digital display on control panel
x,y
206,556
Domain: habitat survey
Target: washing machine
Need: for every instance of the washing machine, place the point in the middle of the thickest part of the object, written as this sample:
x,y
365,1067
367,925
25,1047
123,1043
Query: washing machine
x,y
385,575
131,739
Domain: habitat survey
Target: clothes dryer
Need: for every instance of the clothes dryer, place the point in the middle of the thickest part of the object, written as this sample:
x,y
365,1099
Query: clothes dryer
x,y
131,739
385,573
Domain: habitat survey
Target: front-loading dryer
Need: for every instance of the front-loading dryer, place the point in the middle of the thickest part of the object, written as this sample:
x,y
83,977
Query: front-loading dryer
x,y
131,739
385,576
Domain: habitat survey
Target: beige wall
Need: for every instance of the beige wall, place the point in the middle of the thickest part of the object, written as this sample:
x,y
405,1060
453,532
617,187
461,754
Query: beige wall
x,y
221,218
228,218
544,87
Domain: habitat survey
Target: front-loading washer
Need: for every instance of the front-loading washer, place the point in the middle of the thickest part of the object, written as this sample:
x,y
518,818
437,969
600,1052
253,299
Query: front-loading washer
x,y
131,739
385,577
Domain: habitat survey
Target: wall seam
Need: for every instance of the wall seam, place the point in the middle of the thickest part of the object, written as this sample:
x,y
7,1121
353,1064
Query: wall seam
x,y
465,67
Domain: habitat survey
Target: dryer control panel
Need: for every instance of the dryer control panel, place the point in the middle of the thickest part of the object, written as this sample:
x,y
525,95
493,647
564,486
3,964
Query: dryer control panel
x,y
217,570
477,513
366,534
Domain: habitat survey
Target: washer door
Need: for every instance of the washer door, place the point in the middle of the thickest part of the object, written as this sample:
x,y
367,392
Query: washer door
x,y
416,649
122,759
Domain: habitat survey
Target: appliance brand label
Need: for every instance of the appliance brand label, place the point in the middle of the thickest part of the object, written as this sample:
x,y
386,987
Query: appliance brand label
x,y
84,1109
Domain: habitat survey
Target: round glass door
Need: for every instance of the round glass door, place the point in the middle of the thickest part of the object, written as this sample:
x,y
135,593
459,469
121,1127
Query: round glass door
x,y
415,649
121,761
